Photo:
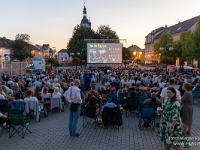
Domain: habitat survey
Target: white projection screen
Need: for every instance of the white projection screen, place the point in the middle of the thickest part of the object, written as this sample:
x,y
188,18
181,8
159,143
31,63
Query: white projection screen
x,y
104,53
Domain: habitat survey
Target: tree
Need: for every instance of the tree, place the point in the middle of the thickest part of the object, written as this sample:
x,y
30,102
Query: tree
x,y
20,47
51,61
79,34
165,40
126,55
105,32
76,60
195,44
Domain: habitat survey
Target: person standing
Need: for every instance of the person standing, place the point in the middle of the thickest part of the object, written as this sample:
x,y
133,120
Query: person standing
x,y
187,109
87,77
73,96
170,131
163,94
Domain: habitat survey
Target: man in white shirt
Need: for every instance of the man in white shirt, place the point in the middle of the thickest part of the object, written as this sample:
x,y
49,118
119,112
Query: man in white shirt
x,y
73,95
163,94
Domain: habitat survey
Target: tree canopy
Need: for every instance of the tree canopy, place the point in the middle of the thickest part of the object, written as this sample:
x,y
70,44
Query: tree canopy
x,y
105,32
77,44
165,41
126,55
20,48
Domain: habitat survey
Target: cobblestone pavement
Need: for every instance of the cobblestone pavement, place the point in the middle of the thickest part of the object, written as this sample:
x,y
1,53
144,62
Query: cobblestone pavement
x,y
52,134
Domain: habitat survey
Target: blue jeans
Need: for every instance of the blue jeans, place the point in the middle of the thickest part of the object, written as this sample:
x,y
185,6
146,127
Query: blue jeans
x,y
73,120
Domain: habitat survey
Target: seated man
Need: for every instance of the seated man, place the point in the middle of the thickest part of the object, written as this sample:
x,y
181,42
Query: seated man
x,y
104,103
112,97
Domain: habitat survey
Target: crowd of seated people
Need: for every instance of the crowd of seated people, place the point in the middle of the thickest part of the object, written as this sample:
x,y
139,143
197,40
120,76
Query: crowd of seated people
x,y
42,87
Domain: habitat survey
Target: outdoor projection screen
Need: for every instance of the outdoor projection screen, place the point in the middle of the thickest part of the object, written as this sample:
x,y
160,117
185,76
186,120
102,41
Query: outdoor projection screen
x,y
104,53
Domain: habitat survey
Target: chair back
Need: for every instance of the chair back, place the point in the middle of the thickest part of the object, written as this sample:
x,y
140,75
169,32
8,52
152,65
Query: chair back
x,y
16,117
56,102
4,105
132,103
16,105
112,116
148,111
196,94
89,112
141,98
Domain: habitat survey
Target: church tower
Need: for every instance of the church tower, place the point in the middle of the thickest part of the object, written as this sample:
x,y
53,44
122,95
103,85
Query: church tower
x,y
85,22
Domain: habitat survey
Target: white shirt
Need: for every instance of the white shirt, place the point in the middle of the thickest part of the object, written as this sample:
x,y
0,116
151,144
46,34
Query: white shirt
x,y
48,95
57,95
1,96
164,94
31,99
73,95
162,84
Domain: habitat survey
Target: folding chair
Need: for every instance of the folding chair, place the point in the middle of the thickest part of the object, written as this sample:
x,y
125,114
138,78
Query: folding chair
x,y
112,116
147,117
132,106
89,115
3,125
121,97
18,124
4,105
56,103
35,108
196,95
141,98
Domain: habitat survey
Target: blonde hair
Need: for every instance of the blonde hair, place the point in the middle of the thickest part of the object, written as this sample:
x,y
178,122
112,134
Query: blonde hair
x,y
10,92
56,90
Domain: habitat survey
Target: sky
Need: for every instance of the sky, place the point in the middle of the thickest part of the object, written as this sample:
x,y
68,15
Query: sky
x,y
52,21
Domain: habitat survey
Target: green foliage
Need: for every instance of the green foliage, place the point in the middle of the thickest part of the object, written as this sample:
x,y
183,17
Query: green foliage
x,y
47,67
28,70
126,55
81,49
20,48
165,40
51,61
167,60
76,43
76,60
195,42
105,32
79,34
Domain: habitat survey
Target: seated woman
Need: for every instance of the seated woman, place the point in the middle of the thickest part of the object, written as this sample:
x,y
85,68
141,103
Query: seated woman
x,y
10,95
46,96
93,105
37,93
103,92
56,93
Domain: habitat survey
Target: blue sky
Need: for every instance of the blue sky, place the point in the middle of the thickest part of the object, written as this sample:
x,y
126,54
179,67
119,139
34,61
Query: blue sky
x,y
52,21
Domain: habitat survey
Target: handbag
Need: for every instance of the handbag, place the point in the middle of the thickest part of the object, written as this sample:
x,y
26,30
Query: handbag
x,y
73,107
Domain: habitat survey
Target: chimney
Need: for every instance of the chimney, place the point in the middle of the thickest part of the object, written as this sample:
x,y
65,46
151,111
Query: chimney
x,y
165,26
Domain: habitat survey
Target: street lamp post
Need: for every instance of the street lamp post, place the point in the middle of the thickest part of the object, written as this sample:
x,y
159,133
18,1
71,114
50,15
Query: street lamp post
x,y
167,48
